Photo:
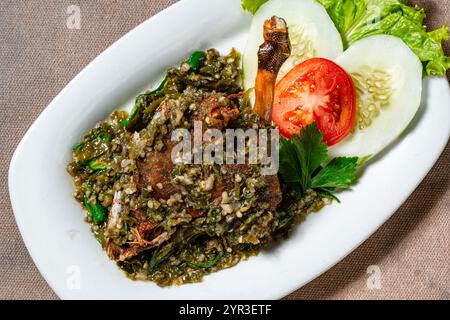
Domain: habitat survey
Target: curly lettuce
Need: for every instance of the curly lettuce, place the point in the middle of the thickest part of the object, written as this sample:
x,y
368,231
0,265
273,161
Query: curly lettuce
x,y
252,5
357,19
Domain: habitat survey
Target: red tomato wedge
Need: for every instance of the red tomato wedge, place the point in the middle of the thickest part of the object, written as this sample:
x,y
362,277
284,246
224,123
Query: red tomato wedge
x,y
316,90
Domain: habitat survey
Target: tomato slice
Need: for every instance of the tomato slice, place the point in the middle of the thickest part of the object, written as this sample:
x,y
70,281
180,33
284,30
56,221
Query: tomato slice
x,y
316,90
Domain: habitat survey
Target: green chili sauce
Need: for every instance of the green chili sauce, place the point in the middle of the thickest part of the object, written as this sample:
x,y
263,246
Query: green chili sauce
x,y
199,232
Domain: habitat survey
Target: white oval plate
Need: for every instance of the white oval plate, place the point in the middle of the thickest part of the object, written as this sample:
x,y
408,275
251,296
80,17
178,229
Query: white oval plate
x,y
62,245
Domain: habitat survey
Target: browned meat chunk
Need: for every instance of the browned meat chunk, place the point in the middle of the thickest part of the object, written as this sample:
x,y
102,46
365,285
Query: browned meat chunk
x,y
143,238
145,224
155,171
272,196
218,111
275,50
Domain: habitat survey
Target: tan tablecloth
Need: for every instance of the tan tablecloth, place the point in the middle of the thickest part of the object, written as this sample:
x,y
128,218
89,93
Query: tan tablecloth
x,y
39,55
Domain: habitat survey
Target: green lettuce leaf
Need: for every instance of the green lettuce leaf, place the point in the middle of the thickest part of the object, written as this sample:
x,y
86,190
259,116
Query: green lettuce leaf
x,y
252,5
357,19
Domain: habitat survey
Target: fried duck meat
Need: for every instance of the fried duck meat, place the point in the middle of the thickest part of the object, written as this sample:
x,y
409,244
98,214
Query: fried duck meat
x,y
156,168
275,50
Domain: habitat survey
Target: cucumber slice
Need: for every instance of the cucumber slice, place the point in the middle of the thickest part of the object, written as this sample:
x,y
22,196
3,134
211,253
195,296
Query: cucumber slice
x,y
388,80
311,31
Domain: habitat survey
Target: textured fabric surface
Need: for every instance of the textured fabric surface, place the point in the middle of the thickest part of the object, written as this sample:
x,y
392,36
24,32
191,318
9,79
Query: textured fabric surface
x,y
39,55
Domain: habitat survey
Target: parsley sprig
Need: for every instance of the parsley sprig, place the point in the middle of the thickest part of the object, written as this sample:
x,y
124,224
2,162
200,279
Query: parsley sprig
x,y
305,165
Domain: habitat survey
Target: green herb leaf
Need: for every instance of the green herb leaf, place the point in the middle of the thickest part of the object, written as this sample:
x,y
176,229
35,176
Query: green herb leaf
x,y
301,156
79,146
328,194
289,168
311,151
102,135
301,160
357,19
339,173
289,164
208,264
139,104
196,58
97,212
252,5
98,164
155,262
